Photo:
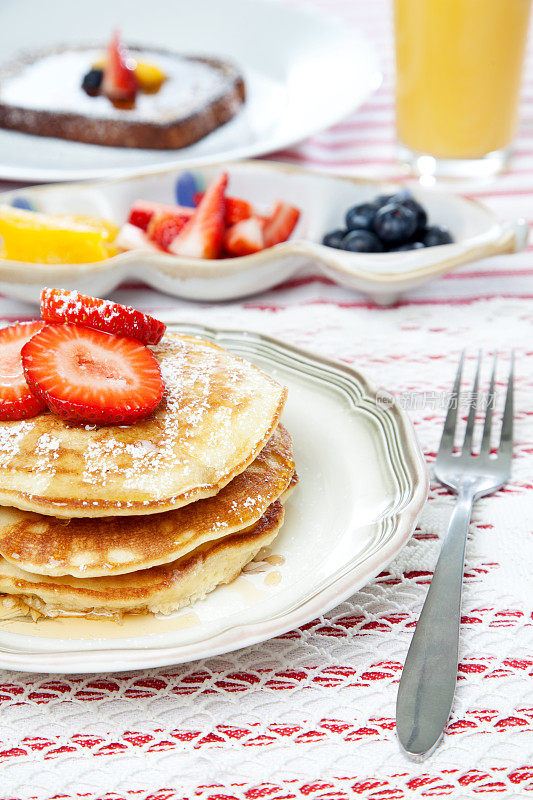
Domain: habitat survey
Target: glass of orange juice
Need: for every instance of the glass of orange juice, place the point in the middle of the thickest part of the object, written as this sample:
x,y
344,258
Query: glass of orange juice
x,y
458,72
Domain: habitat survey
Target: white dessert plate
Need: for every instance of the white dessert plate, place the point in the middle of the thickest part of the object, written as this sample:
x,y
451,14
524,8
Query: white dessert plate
x,y
303,72
363,482
323,201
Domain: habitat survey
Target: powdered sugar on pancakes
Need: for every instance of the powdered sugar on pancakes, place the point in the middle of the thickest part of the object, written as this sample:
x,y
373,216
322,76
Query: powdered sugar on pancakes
x,y
94,547
11,436
217,413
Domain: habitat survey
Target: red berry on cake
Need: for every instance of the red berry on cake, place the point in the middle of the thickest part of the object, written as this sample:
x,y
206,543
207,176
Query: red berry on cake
x,y
120,82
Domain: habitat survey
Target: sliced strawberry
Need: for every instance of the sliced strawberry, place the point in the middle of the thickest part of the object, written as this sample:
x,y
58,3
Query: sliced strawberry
x,y
236,208
142,212
203,235
245,238
85,375
280,224
17,401
60,305
119,82
164,227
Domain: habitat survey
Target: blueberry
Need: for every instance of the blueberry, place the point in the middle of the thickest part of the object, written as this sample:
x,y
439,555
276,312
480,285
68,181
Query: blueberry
x,y
21,202
362,242
405,198
361,217
334,238
419,210
92,81
186,187
403,194
435,235
408,246
395,223
383,199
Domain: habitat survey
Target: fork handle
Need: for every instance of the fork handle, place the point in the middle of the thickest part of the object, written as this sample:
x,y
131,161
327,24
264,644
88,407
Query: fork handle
x,y
427,685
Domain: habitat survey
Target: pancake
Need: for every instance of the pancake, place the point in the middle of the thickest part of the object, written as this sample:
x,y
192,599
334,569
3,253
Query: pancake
x,y
89,547
160,589
217,414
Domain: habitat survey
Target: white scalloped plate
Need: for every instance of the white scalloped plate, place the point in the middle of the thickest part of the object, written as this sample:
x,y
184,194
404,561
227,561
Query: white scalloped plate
x,y
363,482
323,200
303,71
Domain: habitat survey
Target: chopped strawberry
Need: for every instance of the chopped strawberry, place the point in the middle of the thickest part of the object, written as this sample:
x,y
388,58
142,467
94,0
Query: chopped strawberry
x,y
140,217
119,82
142,212
280,224
236,208
60,306
203,235
17,401
245,238
130,237
164,227
85,375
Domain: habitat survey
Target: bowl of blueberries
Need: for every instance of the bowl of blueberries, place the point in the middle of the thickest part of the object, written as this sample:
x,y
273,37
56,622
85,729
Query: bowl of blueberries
x,y
383,240
389,223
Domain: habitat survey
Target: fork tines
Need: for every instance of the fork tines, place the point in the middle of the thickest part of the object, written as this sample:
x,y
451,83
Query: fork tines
x,y
504,449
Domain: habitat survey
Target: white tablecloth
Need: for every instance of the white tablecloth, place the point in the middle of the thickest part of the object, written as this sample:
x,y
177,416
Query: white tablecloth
x,y
311,714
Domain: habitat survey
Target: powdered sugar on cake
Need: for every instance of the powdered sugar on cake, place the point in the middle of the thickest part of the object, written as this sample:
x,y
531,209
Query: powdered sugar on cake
x,y
52,82
216,414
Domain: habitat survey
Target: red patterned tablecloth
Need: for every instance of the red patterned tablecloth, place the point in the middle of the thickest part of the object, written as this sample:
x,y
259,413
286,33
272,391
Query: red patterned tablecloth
x,y
311,714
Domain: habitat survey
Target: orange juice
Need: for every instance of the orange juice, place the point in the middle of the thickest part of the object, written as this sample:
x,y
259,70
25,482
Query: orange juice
x,y
459,65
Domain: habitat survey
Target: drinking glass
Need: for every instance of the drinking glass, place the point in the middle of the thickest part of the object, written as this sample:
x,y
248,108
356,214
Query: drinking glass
x,y
458,74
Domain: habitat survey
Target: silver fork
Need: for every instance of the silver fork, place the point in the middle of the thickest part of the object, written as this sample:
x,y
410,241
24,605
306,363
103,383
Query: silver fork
x,y
427,685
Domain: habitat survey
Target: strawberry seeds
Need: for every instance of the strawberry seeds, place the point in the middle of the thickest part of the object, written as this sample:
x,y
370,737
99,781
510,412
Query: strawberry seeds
x,y
58,305
91,365
85,375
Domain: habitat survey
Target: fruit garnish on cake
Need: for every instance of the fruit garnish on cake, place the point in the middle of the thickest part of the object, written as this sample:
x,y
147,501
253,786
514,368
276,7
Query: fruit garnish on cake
x,y
87,362
128,426
118,76
140,468
17,400
119,95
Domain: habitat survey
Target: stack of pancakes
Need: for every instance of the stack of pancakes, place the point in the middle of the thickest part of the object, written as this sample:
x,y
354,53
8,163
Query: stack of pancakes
x,y
151,516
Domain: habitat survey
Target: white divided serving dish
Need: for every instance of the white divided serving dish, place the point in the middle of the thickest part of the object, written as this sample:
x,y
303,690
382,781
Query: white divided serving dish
x,y
323,201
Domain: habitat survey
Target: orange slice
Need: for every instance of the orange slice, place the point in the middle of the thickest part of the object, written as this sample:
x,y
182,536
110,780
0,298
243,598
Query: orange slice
x,y
54,238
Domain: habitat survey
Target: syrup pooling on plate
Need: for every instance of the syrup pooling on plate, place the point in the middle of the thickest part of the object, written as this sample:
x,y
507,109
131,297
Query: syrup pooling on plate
x,y
159,589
